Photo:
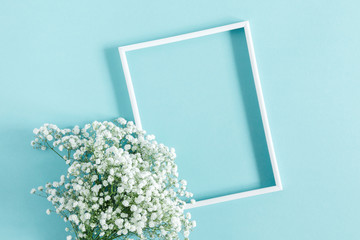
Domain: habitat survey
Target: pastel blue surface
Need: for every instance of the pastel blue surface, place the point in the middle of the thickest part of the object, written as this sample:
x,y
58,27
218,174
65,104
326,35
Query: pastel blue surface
x,y
59,63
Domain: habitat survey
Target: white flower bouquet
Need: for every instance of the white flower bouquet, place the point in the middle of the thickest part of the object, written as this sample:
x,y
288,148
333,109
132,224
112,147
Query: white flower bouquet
x,y
120,183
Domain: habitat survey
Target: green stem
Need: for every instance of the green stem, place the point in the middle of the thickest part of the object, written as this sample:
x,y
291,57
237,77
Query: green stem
x,y
53,149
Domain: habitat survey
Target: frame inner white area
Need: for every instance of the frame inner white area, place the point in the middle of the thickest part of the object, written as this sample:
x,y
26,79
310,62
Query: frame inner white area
x,y
245,25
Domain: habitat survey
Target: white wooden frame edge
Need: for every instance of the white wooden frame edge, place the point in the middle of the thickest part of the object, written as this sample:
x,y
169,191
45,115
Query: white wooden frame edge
x,y
246,26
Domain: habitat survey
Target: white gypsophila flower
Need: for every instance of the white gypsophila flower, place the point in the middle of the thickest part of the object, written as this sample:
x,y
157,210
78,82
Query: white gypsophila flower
x,y
48,211
119,183
193,223
76,130
33,191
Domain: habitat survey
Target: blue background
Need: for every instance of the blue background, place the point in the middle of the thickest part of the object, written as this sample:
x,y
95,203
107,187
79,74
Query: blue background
x,y
59,64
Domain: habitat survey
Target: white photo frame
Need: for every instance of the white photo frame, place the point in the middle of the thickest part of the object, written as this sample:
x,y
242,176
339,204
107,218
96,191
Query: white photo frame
x,y
245,25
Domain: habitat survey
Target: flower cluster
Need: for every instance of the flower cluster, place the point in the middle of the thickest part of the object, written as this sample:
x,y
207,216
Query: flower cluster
x,y
120,183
